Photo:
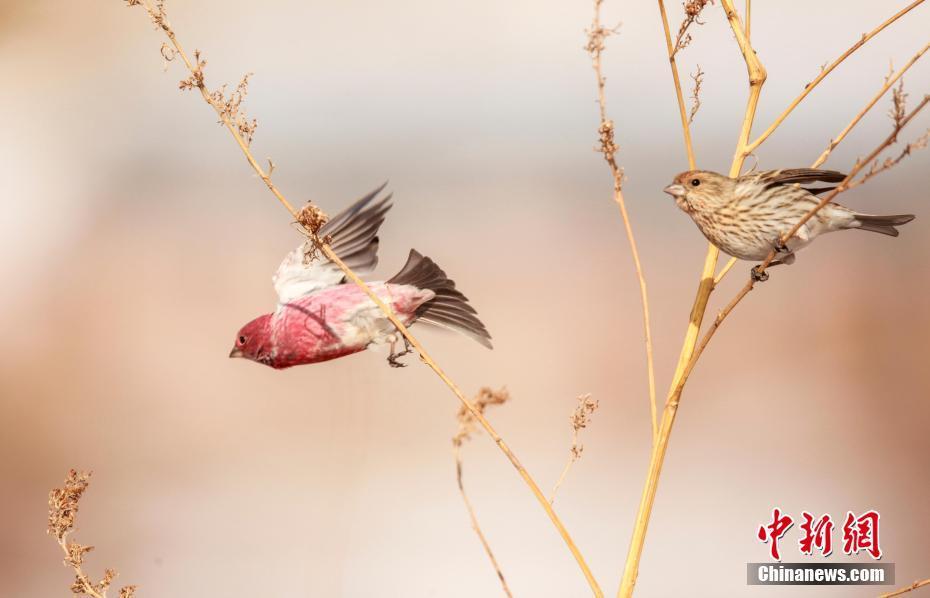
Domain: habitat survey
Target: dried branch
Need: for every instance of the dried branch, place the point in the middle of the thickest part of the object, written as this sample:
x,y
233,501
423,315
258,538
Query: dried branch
x,y
63,506
906,589
580,418
890,80
693,10
698,79
485,398
608,148
748,15
159,18
889,163
826,71
682,111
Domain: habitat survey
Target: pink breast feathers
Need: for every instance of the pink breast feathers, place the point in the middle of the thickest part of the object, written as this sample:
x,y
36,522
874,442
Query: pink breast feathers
x,y
339,321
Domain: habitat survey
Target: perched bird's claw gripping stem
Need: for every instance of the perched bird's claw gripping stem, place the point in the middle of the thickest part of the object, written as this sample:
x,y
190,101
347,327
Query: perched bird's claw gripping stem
x,y
757,274
780,246
392,358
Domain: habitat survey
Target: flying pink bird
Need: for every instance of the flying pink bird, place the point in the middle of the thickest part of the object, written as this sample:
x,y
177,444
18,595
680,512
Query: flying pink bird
x,y
320,316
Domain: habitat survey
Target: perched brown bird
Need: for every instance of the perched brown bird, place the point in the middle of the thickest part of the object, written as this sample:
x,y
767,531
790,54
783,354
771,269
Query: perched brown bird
x,y
746,216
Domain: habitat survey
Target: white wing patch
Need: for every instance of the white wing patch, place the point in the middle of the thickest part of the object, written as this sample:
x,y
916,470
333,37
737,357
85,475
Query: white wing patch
x,y
295,278
352,235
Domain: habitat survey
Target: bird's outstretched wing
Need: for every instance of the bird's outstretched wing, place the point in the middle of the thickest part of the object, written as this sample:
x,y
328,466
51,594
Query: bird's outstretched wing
x,y
353,235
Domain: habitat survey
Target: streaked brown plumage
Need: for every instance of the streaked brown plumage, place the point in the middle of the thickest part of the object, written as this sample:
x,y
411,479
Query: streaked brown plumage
x,y
745,216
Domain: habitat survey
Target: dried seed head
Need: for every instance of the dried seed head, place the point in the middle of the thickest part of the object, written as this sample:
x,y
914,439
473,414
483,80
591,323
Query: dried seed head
x,y
484,399
76,554
63,503
312,218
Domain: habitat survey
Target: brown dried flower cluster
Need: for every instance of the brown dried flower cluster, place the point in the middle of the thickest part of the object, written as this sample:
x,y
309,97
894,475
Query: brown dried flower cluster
x,y
230,108
485,398
698,79
580,418
63,503
899,116
311,218
195,81
693,10
62,511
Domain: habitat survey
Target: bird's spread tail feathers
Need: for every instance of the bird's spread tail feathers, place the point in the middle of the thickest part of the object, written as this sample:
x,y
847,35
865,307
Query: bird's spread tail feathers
x,y
449,308
883,224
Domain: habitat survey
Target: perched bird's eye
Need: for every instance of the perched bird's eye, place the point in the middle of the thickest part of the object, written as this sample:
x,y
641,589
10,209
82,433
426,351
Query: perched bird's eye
x,y
695,182
242,340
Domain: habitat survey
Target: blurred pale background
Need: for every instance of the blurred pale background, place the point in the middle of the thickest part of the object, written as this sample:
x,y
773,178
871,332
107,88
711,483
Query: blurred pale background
x,y
136,241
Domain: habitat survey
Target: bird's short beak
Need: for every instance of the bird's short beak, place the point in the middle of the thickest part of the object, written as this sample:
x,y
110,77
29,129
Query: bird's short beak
x,y
236,352
675,190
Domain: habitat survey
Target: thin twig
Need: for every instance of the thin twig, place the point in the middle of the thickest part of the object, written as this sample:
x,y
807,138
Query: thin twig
x,y
158,16
756,75
679,96
889,83
723,271
826,71
698,79
608,148
906,589
486,397
693,10
580,418
748,16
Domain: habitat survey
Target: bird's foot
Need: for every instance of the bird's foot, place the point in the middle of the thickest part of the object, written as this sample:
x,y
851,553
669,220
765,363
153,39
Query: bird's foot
x,y
393,357
757,274
780,246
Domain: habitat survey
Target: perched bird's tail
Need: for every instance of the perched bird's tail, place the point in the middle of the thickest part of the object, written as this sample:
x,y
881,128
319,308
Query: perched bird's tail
x,y
882,224
449,308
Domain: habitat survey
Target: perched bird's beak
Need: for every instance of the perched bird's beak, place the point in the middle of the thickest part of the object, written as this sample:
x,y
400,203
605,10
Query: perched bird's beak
x,y
236,352
675,190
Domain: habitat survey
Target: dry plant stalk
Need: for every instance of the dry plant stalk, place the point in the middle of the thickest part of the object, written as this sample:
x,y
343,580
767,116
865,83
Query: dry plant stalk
x,y
608,148
580,418
698,79
158,15
691,351
906,589
693,10
485,398
63,506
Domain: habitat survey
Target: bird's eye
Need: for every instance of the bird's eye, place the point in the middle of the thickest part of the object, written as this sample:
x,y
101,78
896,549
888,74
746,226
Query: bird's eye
x,y
695,182
242,340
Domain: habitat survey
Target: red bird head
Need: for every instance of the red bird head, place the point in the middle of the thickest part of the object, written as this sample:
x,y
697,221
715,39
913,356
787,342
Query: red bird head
x,y
253,340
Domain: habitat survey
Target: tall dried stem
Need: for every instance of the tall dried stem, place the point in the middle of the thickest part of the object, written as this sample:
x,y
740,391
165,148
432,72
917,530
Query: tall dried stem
x,y
486,397
608,148
197,78
679,96
757,76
